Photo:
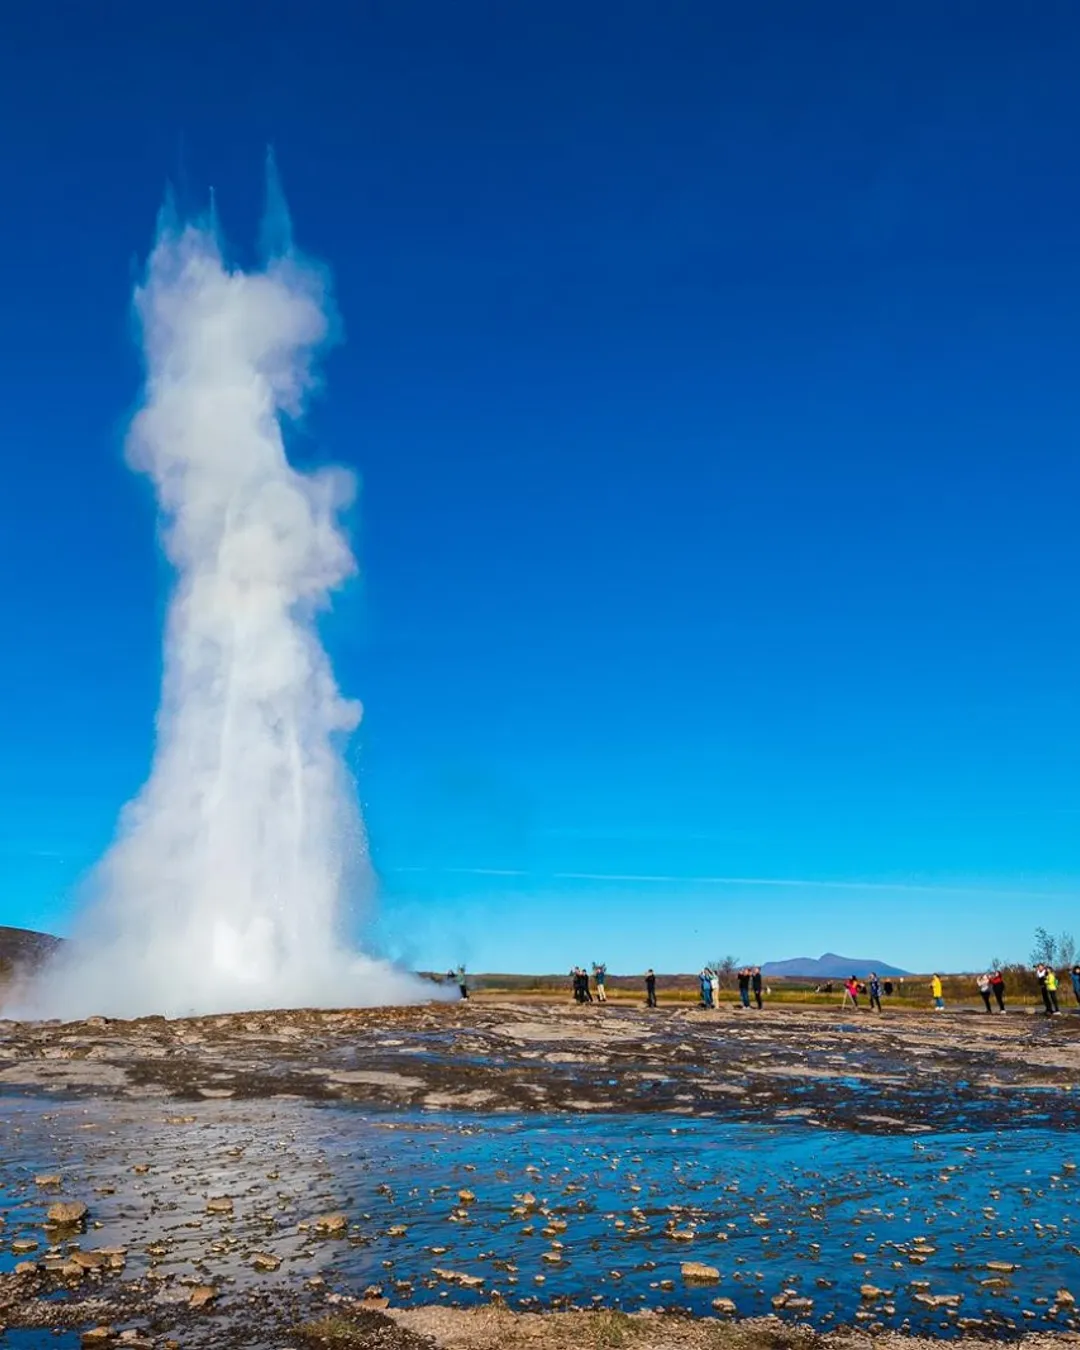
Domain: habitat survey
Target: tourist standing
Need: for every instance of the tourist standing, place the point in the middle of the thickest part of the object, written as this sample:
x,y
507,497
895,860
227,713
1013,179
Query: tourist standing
x,y
705,981
744,986
1051,990
997,986
600,972
937,993
714,981
875,991
1076,982
755,985
851,991
463,983
983,983
650,989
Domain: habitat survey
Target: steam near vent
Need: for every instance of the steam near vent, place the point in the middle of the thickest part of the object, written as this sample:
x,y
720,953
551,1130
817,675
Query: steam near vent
x,y
229,884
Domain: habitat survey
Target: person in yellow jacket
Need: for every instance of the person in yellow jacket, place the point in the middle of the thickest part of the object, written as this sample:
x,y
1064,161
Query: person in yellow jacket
x,y
1051,990
935,989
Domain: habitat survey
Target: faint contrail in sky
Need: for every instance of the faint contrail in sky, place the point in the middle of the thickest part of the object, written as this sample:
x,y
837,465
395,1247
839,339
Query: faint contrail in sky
x,y
928,888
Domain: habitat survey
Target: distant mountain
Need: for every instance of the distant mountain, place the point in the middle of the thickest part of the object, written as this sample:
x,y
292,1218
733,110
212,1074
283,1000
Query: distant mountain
x,y
828,967
24,947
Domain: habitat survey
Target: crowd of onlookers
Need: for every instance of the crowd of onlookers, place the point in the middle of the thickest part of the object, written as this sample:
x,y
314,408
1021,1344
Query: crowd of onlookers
x,y
990,985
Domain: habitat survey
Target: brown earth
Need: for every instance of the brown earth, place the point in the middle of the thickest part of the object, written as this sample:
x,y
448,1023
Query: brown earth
x,y
845,1070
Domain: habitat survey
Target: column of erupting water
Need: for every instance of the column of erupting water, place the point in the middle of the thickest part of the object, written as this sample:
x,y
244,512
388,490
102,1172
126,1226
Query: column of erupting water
x,y
227,884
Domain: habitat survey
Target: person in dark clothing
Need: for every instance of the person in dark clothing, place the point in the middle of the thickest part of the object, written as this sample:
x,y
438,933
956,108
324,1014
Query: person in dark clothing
x,y
744,986
887,987
997,988
463,984
875,991
755,985
982,983
1075,973
650,989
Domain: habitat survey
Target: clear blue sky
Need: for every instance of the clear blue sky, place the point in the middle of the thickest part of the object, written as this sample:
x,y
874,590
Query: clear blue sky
x,y
712,371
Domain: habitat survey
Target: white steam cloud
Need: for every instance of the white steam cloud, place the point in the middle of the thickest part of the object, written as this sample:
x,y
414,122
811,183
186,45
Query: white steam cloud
x,y
229,884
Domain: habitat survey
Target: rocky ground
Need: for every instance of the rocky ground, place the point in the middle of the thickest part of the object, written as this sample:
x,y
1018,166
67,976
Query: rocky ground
x,y
900,1074
846,1070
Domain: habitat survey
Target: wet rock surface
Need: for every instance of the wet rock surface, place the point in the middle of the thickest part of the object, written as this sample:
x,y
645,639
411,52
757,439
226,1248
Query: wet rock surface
x,y
229,1181
844,1070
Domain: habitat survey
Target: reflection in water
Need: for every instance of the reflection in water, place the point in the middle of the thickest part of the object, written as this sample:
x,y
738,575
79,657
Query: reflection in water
x,y
569,1208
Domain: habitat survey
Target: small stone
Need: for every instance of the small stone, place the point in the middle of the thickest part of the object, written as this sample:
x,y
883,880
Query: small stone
x,y
1006,1266
1064,1298
48,1179
266,1261
696,1272
939,1300
25,1268
799,1305
219,1204
201,1295
67,1212
23,1245
459,1278
724,1305
466,1197
331,1224
98,1336
681,1235
871,1292
398,1230
89,1260
374,1304
141,1168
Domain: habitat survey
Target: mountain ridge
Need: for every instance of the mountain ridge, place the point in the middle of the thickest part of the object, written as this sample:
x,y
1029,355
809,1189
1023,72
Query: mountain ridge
x,y
828,966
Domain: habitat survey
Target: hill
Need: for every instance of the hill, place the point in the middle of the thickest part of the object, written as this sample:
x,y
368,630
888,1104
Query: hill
x,y
24,947
830,966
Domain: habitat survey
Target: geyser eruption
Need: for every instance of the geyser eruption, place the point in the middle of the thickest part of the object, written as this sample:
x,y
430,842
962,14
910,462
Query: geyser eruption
x,y
227,885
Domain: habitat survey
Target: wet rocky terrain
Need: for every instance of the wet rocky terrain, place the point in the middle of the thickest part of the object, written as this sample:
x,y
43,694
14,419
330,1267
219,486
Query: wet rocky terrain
x,y
847,1071
483,1174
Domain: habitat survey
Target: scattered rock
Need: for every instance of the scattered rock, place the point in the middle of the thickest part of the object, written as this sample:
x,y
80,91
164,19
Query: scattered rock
x,y
724,1305
201,1295
66,1213
939,1300
266,1261
219,1204
331,1224
48,1179
98,1336
459,1278
696,1272
89,1260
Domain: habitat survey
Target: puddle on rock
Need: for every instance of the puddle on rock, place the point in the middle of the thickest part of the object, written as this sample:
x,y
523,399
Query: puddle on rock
x,y
924,1232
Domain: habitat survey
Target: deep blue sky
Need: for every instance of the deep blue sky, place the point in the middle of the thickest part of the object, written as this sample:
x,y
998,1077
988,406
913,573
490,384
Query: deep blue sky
x,y
712,372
